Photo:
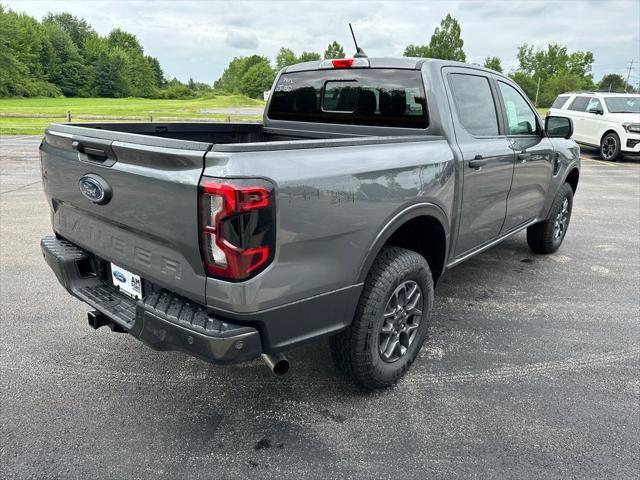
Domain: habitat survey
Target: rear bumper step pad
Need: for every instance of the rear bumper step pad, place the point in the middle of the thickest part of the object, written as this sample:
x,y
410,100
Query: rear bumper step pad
x,y
163,320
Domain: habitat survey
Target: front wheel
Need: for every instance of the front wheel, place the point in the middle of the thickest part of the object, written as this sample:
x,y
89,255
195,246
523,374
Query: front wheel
x,y
610,148
391,321
547,236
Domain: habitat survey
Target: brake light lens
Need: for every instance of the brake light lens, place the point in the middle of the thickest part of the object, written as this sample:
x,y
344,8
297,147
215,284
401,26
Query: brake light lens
x,y
237,227
359,62
342,62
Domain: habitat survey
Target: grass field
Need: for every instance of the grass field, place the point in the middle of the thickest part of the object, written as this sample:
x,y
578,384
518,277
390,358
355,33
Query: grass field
x,y
30,116
25,116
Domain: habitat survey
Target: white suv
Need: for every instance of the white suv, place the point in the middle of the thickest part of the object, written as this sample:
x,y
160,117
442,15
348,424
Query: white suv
x,y
608,121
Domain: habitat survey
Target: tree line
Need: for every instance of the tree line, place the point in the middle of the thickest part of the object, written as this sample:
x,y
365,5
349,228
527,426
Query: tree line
x,y
543,73
253,75
64,55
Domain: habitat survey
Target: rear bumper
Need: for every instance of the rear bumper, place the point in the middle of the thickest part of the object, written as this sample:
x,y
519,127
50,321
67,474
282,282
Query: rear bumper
x,y
163,320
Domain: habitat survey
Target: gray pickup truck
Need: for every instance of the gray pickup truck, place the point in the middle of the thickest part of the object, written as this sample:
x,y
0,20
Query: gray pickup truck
x,y
336,216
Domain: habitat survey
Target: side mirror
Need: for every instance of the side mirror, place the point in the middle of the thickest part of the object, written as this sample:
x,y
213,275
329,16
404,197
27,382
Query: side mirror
x,y
597,111
558,127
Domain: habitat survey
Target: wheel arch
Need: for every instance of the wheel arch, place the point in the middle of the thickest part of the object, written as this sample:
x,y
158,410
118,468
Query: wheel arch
x,y
422,228
572,178
606,132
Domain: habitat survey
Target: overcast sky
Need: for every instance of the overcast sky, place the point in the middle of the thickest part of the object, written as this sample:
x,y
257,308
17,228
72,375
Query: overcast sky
x,y
197,39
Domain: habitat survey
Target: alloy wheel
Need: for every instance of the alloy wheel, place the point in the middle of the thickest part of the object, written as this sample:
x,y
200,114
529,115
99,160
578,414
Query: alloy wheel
x,y
562,220
609,147
402,316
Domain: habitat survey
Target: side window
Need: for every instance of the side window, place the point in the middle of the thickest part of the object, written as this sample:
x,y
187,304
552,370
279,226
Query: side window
x,y
594,103
560,101
520,116
474,103
579,104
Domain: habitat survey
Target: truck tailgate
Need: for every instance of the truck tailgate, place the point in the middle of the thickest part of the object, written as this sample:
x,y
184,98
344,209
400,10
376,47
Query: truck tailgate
x,y
149,222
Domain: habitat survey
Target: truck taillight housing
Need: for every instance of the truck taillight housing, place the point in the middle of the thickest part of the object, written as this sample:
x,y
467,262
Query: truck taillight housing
x,y
237,227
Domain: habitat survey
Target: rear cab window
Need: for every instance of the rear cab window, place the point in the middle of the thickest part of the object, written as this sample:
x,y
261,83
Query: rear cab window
x,y
373,97
474,104
560,101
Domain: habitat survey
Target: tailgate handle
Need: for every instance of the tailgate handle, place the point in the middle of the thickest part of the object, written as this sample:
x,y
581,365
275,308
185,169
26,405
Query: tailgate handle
x,y
96,153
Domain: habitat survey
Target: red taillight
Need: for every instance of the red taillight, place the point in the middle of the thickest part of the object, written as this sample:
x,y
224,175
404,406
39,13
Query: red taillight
x,y
237,228
342,62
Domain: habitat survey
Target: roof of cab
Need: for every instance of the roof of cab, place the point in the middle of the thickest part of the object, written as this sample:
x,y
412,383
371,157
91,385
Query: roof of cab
x,y
602,94
410,63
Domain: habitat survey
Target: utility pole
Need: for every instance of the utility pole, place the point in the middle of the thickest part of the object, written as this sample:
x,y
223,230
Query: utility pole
x,y
535,104
626,83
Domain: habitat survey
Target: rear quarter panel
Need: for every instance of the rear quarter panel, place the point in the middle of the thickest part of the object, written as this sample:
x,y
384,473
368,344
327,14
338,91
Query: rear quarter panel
x,y
332,203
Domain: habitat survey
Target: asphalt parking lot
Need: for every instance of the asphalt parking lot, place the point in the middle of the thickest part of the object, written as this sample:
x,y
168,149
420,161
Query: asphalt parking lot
x,y
531,370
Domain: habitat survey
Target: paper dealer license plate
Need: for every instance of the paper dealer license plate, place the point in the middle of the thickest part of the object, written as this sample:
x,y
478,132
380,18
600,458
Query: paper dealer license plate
x,y
128,282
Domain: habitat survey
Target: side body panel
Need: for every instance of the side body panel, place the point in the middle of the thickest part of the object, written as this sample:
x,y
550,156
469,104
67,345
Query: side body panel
x,y
568,153
332,203
484,193
531,180
579,127
534,161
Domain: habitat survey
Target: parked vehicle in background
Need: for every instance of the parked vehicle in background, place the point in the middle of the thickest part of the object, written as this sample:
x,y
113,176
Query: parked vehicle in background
x,y
608,121
336,216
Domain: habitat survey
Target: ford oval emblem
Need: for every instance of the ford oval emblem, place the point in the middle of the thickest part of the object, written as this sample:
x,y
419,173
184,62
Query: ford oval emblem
x,y
95,188
119,276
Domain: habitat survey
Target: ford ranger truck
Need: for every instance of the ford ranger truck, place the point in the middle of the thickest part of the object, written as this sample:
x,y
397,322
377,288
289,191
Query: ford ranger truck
x,y
367,179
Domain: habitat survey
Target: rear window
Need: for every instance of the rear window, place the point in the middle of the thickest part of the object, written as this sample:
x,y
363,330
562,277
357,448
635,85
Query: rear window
x,y
560,101
376,97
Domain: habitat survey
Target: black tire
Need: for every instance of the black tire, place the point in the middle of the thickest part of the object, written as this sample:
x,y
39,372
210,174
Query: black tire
x,y
610,148
544,237
357,350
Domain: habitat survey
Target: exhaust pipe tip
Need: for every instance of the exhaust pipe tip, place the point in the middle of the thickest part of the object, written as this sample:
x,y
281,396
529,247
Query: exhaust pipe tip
x,y
277,363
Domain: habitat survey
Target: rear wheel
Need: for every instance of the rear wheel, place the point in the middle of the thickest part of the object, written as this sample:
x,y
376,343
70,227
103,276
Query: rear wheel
x,y
391,321
610,148
547,236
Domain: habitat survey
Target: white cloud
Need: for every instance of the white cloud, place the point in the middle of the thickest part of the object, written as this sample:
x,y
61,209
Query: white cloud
x,y
242,40
197,39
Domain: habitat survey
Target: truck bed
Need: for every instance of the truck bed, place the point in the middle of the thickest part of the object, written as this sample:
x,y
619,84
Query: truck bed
x,y
225,137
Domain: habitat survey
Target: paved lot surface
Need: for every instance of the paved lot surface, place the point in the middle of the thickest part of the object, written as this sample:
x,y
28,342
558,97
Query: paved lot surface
x,y
531,370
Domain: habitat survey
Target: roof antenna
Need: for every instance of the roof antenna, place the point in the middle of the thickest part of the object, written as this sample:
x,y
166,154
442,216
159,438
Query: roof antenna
x,y
359,52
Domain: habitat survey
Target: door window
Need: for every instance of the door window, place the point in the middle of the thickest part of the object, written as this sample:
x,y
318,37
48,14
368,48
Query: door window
x,y
560,101
521,119
579,104
474,104
594,103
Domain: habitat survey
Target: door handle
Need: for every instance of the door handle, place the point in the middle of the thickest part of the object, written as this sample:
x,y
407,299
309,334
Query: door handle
x,y
478,162
523,157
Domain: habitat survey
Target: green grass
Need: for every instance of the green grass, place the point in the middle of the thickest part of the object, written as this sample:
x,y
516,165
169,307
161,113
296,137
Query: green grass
x,y
55,110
